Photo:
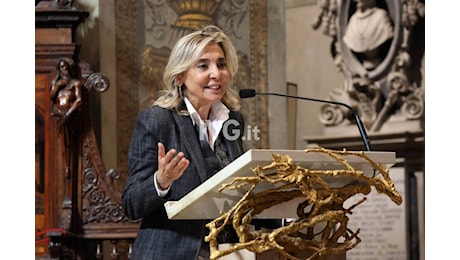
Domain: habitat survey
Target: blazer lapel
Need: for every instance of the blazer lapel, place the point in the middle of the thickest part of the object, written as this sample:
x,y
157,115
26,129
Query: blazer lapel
x,y
233,148
191,143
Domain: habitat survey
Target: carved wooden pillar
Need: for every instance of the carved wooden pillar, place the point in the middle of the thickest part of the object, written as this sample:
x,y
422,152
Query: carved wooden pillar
x,y
55,25
75,192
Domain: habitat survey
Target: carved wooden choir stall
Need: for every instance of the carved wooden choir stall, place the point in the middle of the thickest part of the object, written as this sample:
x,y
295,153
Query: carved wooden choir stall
x,y
77,205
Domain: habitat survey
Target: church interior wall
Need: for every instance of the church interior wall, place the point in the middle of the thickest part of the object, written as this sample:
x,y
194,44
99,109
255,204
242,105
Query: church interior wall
x,y
307,63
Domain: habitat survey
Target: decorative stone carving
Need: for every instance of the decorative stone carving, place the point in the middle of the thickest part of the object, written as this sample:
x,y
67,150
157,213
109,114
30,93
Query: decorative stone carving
x,y
194,13
382,68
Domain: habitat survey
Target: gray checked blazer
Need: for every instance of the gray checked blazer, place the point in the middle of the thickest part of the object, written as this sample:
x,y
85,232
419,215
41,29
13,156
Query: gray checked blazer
x,y
160,238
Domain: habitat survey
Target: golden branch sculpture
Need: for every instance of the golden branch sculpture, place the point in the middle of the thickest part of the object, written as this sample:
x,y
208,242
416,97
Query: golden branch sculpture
x,y
322,204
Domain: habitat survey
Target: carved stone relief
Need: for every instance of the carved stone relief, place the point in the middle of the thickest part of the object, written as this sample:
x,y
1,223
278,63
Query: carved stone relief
x,y
379,46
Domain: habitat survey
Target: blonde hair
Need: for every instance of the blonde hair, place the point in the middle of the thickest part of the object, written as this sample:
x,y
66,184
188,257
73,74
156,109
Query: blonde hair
x,y
184,54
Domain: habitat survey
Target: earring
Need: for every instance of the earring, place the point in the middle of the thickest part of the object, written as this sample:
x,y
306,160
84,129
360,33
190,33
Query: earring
x,y
180,90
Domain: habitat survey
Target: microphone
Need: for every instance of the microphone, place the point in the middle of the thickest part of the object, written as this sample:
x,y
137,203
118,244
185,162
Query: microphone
x,y
248,93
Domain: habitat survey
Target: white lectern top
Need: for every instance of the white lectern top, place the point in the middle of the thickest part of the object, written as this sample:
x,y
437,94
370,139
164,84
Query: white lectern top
x,y
206,202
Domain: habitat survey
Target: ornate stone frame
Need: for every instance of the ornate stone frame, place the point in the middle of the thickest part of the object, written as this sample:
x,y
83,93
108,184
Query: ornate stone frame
x,y
389,97
350,62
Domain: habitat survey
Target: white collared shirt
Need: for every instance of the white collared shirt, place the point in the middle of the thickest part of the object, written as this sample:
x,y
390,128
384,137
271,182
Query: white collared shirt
x,y
211,128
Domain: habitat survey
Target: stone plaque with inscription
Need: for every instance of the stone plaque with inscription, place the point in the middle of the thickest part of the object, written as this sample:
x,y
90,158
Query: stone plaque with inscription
x,y
382,224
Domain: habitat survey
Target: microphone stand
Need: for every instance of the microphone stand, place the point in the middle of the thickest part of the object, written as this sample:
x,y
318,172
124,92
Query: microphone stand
x,y
359,123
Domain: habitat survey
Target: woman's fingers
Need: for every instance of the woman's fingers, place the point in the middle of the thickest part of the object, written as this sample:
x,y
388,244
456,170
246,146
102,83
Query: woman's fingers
x,y
171,165
161,151
184,162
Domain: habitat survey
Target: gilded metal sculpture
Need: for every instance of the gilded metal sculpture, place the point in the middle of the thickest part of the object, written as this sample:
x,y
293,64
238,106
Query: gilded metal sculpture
x,y
322,204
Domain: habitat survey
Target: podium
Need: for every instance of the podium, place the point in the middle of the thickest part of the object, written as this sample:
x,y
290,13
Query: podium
x,y
207,202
